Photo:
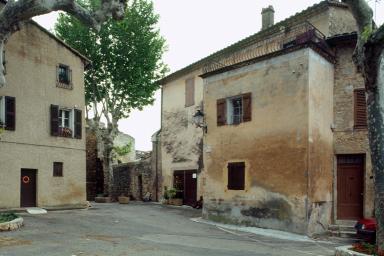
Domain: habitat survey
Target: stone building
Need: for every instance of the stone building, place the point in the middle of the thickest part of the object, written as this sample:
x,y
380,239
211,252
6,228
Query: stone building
x,y
285,140
42,149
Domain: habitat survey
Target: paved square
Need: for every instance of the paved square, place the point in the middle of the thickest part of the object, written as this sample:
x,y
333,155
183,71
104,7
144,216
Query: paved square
x,y
141,229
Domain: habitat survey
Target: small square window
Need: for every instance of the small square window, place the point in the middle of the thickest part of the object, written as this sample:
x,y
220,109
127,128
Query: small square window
x,y
236,176
57,169
63,74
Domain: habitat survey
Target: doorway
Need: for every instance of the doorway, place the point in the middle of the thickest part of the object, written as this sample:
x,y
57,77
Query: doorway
x,y
185,182
28,188
350,186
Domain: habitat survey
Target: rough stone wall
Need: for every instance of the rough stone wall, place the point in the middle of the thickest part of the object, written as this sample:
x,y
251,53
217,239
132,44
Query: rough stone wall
x,y
126,179
347,140
94,167
156,165
31,60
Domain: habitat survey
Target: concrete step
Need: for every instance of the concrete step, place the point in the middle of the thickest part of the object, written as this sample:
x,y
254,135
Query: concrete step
x,y
345,231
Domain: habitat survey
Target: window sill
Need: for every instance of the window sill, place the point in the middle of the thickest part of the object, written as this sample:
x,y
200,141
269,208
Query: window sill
x,y
68,86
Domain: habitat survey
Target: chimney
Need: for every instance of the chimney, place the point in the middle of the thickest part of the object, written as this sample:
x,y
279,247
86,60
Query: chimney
x,y
268,17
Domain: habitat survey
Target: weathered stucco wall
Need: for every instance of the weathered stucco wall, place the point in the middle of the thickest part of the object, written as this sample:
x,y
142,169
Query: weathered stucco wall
x,y
347,140
31,60
287,147
181,140
274,145
320,143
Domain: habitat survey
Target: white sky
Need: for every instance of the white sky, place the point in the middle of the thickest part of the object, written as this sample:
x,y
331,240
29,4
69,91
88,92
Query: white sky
x,y
193,30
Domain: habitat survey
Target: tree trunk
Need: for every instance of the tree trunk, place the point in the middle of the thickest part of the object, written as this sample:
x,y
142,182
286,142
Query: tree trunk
x,y
375,111
107,163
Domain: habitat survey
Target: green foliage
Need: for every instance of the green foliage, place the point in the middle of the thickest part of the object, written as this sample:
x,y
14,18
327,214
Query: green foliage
x,y
171,193
124,150
366,33
8,216
126,57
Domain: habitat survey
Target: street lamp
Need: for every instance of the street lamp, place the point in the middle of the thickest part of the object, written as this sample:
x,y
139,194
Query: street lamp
x,y
198,120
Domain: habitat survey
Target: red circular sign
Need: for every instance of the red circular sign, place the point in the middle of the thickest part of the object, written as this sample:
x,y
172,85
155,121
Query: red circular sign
x,y
26,179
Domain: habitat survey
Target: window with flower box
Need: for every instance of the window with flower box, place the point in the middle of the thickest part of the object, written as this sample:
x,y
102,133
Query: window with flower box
x,y
66,122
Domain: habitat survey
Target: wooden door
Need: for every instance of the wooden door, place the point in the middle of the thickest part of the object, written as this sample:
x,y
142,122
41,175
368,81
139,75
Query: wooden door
x,y
185,182
350,187
190,191
28,188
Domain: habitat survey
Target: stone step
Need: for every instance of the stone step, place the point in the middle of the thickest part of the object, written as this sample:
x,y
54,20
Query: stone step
x,y
342,228
343,234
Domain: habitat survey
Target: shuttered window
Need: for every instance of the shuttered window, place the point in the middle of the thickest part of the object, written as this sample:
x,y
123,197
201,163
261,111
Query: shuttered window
x,y
236,176
221,112
190,92
360,109
10,113
78,124
234,110
57,169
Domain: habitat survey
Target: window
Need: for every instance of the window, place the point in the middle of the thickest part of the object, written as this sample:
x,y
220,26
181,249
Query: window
x,y
190,92
8,113
57,169
234,110
360,109
66,122
236,176
64,76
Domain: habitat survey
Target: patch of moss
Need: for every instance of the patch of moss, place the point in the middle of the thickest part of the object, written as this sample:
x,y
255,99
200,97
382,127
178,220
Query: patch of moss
x,y
8,216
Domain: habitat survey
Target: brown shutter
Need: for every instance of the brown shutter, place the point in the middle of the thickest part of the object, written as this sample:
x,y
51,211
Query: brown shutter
x,y
236,176
10,113
360,109
190,92
54,120
221,112
78,124
57,169
247,107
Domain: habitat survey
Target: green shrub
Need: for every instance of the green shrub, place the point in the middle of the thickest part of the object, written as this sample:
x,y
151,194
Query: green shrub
x,y
8,216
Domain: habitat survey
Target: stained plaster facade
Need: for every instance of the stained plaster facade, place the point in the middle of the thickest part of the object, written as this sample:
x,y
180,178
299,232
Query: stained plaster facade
x,y
279,145
32,55
181,141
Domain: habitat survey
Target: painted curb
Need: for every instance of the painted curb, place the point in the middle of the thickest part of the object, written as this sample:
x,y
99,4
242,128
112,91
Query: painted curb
x,y
344,251
12,225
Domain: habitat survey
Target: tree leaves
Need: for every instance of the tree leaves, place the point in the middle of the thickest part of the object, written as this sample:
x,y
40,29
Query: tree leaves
x,y
126,57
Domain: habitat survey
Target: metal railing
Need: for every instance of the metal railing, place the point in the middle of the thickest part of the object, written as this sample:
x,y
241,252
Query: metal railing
x,y
287,37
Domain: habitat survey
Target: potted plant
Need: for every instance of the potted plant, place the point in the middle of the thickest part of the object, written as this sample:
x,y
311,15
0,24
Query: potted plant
x,y
172,198
123,199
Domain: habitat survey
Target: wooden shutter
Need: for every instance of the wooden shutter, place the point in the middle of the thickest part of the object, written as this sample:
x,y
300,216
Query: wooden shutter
x,y
10,113
221,112
247,107
54,120
57,169
360,109
190,92
78,123
236,176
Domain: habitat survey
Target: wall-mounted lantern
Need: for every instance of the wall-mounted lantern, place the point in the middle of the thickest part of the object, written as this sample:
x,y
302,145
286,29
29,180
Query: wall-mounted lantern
x,y
198,120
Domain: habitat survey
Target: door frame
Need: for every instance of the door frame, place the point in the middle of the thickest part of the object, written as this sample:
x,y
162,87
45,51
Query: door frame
x,y
335,189
35,171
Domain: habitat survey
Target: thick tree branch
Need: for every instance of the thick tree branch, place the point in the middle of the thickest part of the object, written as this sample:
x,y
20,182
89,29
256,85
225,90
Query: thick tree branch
x,y
16,12
369,43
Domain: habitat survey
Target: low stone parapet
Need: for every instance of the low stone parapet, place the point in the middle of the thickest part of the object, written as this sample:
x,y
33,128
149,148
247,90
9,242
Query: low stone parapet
x,y
12,225
345,251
